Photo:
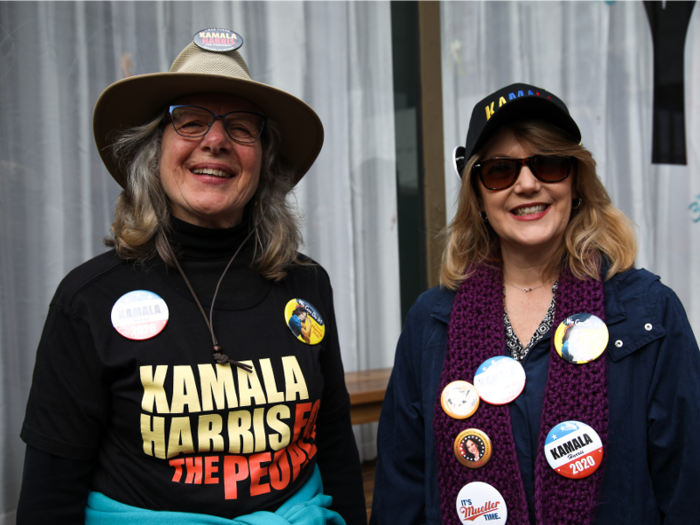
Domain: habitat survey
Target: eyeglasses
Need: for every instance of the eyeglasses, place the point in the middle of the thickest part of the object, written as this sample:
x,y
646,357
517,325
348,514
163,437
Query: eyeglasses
x,y
500,173
243,127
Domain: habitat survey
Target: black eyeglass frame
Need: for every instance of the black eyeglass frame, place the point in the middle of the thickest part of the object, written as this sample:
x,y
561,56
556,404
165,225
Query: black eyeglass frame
x,y
519,165
172,108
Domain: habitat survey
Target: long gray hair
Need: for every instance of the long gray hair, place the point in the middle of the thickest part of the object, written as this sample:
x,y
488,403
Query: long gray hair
x,y
141,226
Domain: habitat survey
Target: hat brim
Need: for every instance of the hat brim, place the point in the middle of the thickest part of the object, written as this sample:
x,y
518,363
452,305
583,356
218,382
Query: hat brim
x,y
136,100
527,108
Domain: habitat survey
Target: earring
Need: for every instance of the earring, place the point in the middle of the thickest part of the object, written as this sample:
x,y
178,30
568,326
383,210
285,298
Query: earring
x,y
484,217
576,203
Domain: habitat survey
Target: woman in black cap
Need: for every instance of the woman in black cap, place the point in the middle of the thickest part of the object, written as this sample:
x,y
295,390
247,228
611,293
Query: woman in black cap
x,y
168,384
603,438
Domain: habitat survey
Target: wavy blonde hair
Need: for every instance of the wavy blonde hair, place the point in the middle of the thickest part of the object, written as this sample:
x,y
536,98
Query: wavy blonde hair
x,y
596,228
141,226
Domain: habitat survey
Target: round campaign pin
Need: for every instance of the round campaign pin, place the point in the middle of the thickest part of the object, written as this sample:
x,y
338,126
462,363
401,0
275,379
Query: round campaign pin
x,y
499,380
472,448
217,39
304,321
573,449
581,338
479,502
140,315
459,399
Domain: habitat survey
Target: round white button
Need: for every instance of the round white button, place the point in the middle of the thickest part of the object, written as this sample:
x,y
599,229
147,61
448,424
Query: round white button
x,y
499,380
479,502
618,343
647,327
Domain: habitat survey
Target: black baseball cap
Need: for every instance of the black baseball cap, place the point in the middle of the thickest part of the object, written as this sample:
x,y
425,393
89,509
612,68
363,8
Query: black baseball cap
x,y
508,104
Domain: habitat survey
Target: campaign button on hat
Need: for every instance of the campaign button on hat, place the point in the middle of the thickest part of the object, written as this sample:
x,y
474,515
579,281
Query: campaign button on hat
x,y
573,449
459,399
581,338
140,315
218,40
479,502
304,321
472,448
499,380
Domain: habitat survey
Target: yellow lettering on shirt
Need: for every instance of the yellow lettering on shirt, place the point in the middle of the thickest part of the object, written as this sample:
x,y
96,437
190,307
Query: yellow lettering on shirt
x,y
294,379
153,390
218,382
184,391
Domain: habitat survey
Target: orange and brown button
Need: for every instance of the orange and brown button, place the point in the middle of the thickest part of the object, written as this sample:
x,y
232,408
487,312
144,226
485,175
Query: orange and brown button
x,y
459,399
473,448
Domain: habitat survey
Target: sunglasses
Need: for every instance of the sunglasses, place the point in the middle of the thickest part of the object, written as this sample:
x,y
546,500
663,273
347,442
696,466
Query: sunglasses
x,y
500,173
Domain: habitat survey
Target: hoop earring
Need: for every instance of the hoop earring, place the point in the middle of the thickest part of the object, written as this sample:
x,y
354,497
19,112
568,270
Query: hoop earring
x,y
483,216
576,204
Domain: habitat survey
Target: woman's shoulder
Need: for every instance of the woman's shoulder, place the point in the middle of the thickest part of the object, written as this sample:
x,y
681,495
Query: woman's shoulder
x,y
82,277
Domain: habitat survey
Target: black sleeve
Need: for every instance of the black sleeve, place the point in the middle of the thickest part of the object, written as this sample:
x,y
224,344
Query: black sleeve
x,y
338,458
68,406
54,489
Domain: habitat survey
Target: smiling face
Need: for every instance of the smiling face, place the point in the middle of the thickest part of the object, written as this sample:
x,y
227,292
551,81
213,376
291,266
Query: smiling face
x,y
471,447
530,215
210,179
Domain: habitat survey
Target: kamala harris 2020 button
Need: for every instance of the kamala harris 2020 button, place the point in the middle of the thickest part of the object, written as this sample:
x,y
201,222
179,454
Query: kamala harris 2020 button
x,y
472,448
499,380
459,399
573,449
581,338
140,315
479,502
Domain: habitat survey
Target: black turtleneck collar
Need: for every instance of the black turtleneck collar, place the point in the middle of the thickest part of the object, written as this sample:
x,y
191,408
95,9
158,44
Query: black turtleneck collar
x,y
196,242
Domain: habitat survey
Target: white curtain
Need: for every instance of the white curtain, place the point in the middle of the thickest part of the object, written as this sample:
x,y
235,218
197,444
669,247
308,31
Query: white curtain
x,y
56,198
598,57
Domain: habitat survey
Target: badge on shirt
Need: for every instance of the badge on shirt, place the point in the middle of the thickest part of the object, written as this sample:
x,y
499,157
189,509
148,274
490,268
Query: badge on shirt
x,y
581,338
479,502
140,315
459,399
304,321
573,449
499,380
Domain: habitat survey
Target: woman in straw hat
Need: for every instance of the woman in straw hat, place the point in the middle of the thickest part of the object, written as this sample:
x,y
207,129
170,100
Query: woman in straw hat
x,y
600,433
168,384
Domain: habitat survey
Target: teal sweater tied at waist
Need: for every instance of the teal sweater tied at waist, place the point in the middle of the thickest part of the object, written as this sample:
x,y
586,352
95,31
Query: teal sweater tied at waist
x,y
308,506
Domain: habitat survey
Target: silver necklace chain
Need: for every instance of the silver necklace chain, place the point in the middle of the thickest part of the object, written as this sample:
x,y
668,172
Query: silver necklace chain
x,y
525,290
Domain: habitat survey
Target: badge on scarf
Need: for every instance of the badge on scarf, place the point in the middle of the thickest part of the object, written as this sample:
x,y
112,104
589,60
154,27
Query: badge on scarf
x,y
472,448
459,399
499,380
573,449
479,502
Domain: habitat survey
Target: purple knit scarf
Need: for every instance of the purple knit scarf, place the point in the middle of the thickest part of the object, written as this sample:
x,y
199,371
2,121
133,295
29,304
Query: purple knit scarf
x,y
573,392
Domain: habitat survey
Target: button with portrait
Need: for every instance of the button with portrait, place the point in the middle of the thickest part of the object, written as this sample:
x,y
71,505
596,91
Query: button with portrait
x,y
459,399
304,321
472,448
573,449
479,502
499,380
581,338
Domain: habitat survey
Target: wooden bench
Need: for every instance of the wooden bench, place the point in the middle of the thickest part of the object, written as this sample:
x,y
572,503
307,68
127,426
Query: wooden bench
x,y
366,389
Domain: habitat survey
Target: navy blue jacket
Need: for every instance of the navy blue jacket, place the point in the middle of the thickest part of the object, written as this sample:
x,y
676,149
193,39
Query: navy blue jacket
x,y
652,460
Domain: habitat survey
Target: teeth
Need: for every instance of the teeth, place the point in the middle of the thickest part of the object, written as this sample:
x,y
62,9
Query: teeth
x,y
530,210
209,171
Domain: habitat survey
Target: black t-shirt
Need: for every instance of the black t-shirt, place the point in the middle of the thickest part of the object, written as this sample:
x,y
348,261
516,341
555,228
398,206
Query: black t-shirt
x,y
170,428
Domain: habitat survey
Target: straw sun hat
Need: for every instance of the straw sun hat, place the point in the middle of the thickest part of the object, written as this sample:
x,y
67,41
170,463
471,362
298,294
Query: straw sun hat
x,y
209,64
